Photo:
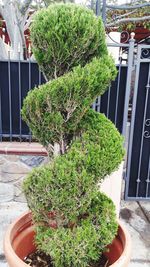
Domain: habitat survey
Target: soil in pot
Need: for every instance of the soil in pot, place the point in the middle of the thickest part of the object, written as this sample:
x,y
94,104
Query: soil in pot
x,y
40,259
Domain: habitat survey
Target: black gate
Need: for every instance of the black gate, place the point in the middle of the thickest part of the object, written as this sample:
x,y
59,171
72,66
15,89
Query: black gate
x,y
138,164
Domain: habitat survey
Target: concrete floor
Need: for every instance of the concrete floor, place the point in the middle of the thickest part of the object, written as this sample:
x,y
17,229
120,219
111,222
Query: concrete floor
x,y
136,216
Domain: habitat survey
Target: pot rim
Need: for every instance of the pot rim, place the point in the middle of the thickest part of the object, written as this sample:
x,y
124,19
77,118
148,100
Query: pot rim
x,y
7,242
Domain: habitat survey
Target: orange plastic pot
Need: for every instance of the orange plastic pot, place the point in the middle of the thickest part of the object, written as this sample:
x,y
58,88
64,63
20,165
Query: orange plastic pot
x,y
19,242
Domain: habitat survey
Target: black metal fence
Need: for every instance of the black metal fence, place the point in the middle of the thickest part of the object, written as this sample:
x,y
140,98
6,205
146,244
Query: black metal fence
x,y
17,78
112,103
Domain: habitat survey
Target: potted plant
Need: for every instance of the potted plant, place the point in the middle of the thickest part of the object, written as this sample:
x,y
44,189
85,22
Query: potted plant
x,y
71,222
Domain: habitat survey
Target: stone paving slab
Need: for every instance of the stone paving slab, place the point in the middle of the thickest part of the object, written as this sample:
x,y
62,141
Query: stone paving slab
x,y
140,252
6,192
145,206
8,212
13,170
139,228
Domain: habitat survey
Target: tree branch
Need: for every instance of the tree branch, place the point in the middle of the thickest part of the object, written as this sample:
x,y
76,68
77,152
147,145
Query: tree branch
x,y
28,22
46,5
125,7
3,54
125,15
127,20
25,6
1,9
121,16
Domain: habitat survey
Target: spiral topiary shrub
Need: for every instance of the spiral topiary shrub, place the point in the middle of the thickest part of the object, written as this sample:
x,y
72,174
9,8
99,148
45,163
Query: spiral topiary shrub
x,y
66,37
74,222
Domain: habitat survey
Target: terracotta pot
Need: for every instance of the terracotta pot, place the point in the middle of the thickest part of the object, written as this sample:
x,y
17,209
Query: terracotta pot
x,y
19,242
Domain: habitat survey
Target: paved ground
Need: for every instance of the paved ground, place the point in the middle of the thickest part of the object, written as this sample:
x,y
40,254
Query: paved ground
x,y
13,169
136,217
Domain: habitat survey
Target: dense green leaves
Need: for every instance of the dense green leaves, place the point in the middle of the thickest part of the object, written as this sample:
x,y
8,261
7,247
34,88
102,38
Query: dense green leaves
x,y
74,221
68,185
65,36
71,177
83,244
54,110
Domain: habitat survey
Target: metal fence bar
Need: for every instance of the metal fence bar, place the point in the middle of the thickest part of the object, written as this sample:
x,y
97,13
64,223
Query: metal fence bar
x,y
130,143
20,120
99,104
10,105
30,134
108,102
98,8
26,136
118,45
40,77
22,60
104,12
92,4
138,198
148,179
1,132
118,87
94,105
128,83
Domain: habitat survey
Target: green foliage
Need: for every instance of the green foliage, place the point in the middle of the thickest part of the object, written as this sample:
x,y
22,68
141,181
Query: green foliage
x,y
65,36
74,222
66,185
83,244
59,105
